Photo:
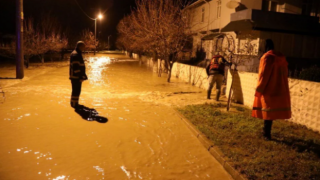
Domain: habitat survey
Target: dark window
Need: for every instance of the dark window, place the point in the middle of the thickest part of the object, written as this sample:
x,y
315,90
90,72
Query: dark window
x,y
265,5
311,7
273,6
307,7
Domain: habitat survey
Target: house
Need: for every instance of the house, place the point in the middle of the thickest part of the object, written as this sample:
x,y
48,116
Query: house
x,y
241,26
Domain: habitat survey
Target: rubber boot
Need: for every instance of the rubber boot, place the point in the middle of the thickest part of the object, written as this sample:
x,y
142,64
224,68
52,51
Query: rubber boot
x,y
74,104
208,94
218,95
267,129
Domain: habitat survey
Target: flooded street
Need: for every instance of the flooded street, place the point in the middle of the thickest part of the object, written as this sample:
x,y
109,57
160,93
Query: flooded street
x,y
42,137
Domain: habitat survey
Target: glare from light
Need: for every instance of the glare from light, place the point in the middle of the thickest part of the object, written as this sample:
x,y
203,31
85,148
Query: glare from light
x,y
97,66
60,177
100,16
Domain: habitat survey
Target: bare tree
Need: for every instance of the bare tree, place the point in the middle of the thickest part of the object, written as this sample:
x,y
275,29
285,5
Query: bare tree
x,y
131,37
51,31
160,27
88,37
34,42
30,39
38,41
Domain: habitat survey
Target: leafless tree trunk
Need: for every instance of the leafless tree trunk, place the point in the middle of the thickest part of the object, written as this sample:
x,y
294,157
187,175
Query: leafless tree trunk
x,y
155,62
42,58
169,72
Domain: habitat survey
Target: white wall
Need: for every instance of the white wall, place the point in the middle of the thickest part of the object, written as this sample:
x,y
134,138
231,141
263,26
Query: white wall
x,y
225,14
194,75
196,18
305,97
211,20
148,61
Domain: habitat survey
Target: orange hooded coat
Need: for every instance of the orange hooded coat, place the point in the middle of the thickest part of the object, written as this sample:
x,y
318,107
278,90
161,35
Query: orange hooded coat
x,y
272,97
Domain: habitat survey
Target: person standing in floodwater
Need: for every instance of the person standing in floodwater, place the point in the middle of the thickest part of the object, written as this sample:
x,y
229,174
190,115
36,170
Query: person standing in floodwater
x,y
215,71
272,97
77,73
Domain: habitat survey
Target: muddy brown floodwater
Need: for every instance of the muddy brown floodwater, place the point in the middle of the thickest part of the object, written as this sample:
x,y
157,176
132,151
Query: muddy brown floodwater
x,y
43,138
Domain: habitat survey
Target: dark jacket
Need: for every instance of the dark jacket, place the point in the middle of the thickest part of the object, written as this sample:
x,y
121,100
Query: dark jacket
x,y
217,65
77,66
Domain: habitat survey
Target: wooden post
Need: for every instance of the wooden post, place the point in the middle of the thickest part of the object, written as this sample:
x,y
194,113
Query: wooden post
x,y
229,98
19,40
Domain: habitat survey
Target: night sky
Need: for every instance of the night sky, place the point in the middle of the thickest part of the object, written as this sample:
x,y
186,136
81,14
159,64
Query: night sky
x,y
69,14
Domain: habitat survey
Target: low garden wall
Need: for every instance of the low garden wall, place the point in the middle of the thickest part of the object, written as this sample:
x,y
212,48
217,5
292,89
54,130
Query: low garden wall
x,y
149,62
194,75
305,97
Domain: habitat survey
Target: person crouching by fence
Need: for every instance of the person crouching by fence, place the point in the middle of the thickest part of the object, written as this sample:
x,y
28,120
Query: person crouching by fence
x,y
215,71
272,96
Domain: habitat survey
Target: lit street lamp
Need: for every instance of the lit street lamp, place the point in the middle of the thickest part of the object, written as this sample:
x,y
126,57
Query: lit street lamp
x,y
95,32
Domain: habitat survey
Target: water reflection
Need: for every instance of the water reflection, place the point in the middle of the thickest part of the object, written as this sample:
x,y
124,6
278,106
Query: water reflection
x,y
124,169
99,169
97,66
39,158
62,177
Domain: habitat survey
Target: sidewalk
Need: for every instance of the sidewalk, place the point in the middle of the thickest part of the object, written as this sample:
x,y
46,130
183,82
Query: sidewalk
x,y
42,137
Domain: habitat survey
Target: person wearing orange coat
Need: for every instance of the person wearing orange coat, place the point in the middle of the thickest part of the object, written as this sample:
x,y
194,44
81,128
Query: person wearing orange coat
x,y
272,96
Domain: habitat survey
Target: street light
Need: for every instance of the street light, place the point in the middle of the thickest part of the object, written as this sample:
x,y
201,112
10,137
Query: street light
x,y
95,32
109,42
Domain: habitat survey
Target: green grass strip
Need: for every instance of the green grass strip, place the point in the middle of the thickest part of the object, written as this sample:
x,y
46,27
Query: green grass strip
x,y
293,153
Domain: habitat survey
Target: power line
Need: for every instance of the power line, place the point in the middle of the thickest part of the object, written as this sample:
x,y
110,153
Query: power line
x,y
86,13
83,10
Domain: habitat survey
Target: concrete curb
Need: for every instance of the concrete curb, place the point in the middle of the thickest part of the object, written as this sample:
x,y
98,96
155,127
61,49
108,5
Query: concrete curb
x,y
213,150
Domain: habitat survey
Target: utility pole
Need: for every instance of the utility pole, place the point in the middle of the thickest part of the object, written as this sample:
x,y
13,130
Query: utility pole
x,y
95,36
109,42
95,32
19,40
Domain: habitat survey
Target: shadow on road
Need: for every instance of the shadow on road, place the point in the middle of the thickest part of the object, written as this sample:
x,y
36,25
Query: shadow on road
x,y
7,78
90,114
186,92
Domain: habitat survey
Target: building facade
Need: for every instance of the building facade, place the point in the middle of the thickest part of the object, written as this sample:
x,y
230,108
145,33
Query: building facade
x,y
237,29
